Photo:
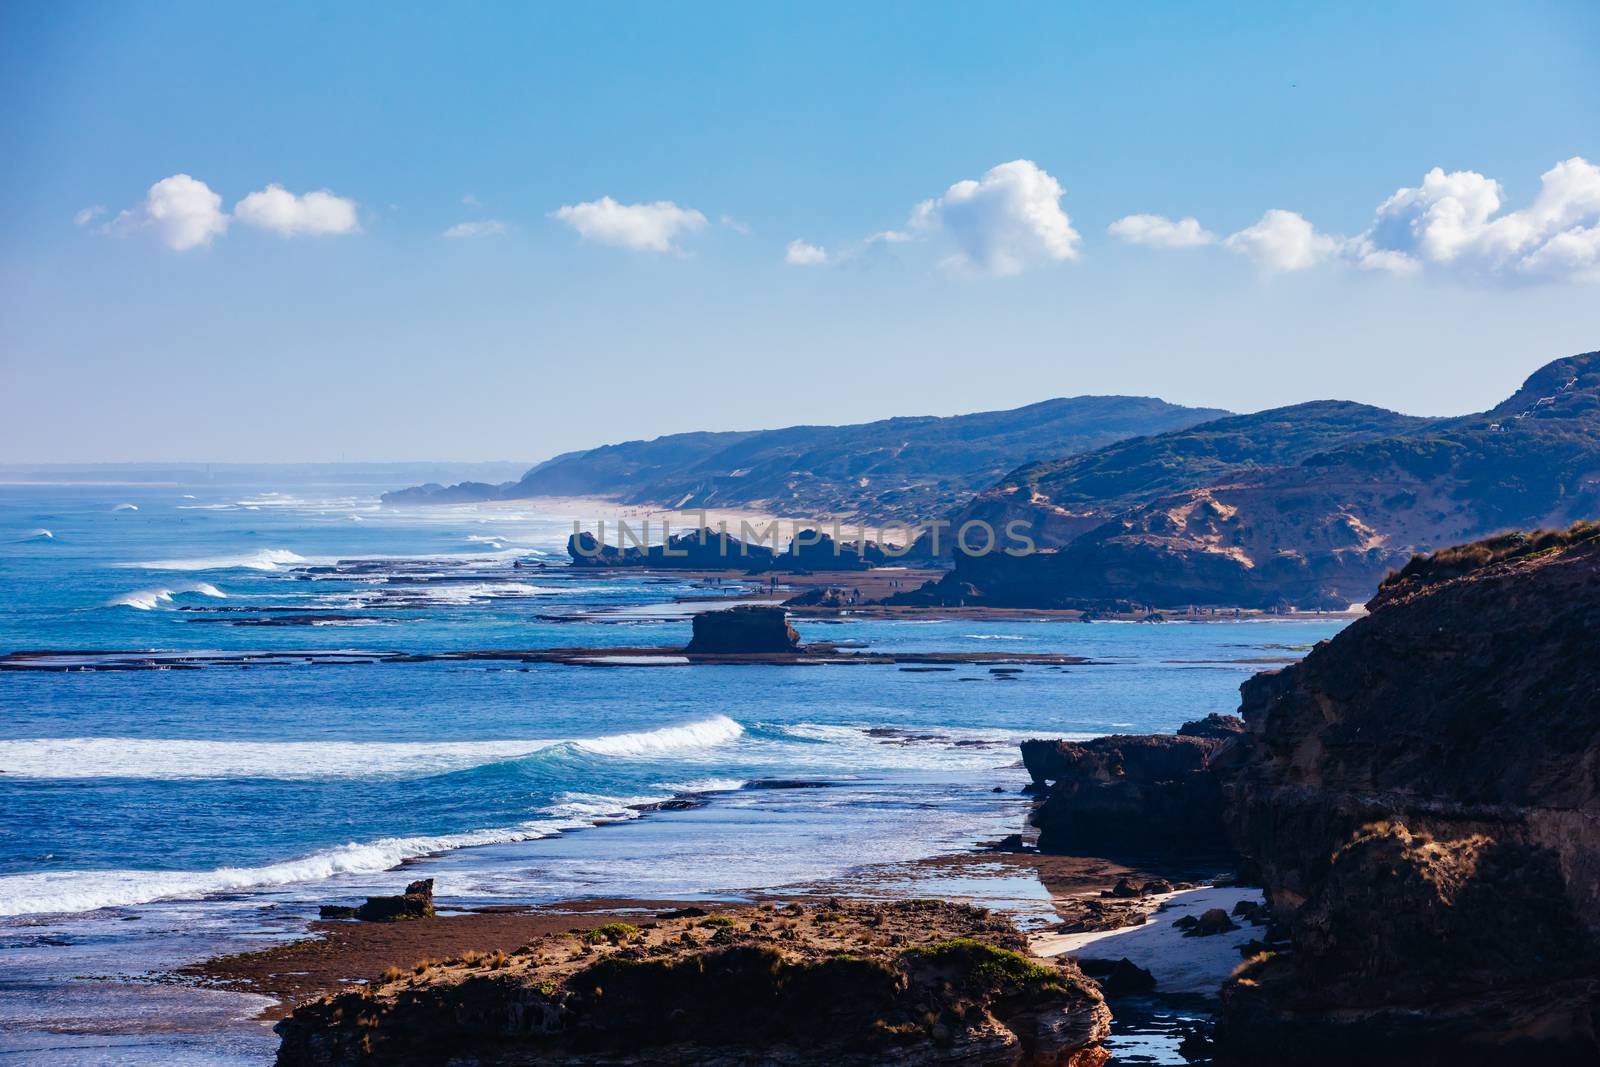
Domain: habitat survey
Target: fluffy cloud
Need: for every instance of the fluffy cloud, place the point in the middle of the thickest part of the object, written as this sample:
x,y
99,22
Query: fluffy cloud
x,y
1003,223
315,214
643,227
1157,231
87,215
801,254
1451,221
1284,240
478,228
1455,220
182,211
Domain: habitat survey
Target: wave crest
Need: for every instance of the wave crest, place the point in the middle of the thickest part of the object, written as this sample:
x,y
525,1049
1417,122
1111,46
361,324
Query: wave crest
x,y
716,730
150,599
147,758
268,559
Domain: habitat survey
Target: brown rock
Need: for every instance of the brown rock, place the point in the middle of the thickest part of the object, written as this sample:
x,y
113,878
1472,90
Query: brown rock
x,y
849,984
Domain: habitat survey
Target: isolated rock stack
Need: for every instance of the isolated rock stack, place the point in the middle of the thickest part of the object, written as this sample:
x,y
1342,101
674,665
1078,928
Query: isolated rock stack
x,y
745,629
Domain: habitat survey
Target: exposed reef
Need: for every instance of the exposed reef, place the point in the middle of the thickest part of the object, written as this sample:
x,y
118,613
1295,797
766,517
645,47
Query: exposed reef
x,y
509,658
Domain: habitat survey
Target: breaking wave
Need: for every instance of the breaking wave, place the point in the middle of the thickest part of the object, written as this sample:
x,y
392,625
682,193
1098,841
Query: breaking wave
x,y
146,758
76,891
150,599
268,559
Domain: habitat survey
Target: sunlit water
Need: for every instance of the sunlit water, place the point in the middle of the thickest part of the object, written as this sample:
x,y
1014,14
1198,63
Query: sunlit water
x,y
150,818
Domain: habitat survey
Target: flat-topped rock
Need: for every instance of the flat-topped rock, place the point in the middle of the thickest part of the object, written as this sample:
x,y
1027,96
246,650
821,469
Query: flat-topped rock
x,y
748,628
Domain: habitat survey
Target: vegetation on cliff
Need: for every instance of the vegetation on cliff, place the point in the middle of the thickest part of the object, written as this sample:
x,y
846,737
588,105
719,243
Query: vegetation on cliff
x,y
907,469
1419,797
841,983
1181,520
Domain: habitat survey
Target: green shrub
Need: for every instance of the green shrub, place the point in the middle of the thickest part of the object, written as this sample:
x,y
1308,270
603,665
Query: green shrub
x,y
614,933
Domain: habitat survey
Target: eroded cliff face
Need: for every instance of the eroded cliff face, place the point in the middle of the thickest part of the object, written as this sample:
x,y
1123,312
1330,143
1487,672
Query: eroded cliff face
x,y
1131,794
1421,799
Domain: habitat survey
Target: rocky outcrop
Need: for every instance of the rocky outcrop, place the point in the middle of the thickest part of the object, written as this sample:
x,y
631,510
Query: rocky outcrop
x,y
700,550
708,549
831,597
1216,726
1421,798
415,903
1121,794
840,983
813,550
749,628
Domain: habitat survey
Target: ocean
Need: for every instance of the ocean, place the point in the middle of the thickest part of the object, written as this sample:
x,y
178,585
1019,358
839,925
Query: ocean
x,y
150,818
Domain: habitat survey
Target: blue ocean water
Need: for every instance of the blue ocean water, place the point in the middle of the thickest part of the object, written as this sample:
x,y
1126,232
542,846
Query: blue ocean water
x,y
152,817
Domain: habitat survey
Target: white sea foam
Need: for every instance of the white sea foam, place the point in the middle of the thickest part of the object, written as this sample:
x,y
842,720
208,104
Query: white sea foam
x,y
77,891
73,891
468,592
126,507
913,747
128,757
150,599
703,785
716,730
994,637
267,559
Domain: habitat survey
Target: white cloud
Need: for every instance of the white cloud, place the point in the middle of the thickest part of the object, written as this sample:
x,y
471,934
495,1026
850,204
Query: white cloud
x,y
316,214
1157,231
88,215
471,201
183,212
731,223
801,254
1003,223
1284,241
1451,221
478,228
1454,220
643,227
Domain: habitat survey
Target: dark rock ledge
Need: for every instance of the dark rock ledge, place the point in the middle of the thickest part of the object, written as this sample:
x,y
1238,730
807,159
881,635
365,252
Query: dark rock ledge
x,y
841,984
1419,798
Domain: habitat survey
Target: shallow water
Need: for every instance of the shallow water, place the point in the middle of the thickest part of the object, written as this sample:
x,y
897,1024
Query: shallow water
x,y
150,817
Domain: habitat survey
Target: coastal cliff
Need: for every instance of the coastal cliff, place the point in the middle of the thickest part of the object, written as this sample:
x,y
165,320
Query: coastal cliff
x,y
1131,793
841,984
1419,798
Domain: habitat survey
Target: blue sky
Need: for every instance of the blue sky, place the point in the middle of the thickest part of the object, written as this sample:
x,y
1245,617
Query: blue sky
x,y
229,316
